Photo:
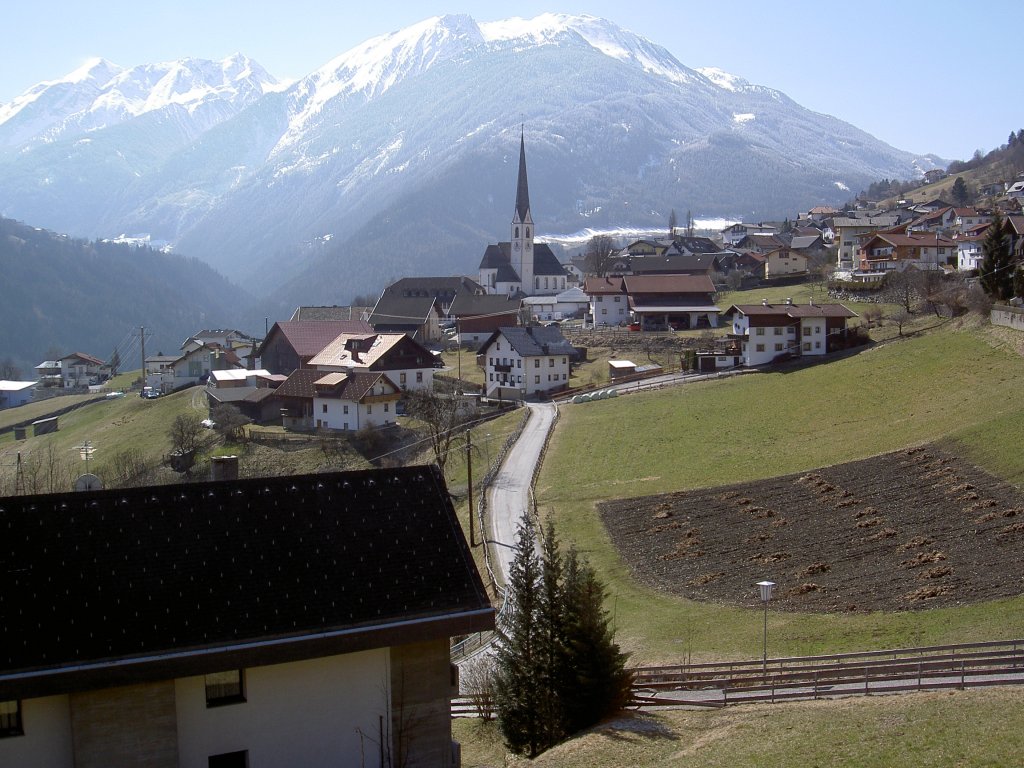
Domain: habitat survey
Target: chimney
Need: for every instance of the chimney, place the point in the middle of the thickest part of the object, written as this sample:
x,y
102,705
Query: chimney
x,y
224,468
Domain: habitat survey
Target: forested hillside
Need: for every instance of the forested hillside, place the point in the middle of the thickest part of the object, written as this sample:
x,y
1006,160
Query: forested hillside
x,y
61,295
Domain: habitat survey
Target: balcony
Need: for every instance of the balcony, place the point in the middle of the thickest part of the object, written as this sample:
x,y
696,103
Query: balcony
x,y
503,369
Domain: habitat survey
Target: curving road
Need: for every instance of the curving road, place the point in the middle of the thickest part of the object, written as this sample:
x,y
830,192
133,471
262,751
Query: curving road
x,y
508,497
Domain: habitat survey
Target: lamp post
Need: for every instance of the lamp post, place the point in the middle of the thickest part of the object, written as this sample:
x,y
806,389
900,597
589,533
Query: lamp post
x,y
766,595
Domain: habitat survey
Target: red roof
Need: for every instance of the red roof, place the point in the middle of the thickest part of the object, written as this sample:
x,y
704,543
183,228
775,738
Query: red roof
x,y
668,284
309,337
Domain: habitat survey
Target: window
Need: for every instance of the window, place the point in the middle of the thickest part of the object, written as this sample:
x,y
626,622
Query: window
x,y
225,688
419,377
778,347
817,345
565,377
519,363
778,331
759,332
536,362
618,299
387,406
229,760
324,408
817,329
344,409
807,346
10,719
369,409
759,347
536,379
551,362
604,310
791,330
401,378
807,330
563,361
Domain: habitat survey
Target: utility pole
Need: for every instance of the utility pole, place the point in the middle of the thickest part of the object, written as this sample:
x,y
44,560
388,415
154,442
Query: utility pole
x,y
469,476
142,344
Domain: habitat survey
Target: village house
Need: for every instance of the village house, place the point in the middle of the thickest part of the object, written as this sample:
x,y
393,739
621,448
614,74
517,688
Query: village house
x,y
784,262
277,622
15,393
768,332
291,344
477,317
406,362
523,362
570,303
49,373
522,266
734,233
80,370
848,232
353,401
885,252
653,301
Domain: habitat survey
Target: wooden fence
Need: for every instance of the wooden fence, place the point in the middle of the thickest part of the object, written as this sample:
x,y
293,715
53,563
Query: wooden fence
x,y
965,665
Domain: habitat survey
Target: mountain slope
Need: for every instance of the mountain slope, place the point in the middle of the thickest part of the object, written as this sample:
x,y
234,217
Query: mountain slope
x,y
73,295
394,156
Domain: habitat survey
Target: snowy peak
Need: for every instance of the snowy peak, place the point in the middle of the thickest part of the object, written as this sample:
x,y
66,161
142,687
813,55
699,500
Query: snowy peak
x,y
600,34
100,94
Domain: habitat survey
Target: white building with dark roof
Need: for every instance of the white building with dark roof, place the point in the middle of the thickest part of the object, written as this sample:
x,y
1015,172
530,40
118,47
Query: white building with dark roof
x,y
272,622
522,266
524,362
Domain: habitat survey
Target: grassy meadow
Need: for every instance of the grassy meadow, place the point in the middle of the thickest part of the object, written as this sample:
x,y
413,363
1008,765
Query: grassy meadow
x,y
970,729
953,386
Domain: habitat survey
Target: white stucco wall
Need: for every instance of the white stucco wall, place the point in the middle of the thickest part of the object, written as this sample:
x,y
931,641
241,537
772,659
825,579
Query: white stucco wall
x,y
607,311
308,713
46,742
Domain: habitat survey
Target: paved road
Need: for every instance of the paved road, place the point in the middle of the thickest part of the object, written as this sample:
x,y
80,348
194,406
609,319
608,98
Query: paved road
x,y
508,497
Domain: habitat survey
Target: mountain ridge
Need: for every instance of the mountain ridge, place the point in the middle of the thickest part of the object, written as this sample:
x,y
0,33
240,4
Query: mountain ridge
x,y
618,132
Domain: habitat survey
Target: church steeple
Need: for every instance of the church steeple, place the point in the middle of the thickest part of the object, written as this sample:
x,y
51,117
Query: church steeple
x,y
523,188
522,226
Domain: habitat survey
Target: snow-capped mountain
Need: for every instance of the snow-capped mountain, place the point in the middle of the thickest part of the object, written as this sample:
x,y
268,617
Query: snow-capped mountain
x,y
399,156
101,95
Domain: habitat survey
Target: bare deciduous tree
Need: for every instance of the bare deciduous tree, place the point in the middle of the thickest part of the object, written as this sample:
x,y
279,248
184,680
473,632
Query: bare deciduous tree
x,y
600,256
440,415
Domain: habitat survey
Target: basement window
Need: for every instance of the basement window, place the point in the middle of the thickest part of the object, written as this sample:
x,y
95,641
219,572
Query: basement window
x,y
10,719
225,688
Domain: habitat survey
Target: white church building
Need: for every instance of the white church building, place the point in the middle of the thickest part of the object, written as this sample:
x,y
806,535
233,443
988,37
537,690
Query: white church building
x,y
522,267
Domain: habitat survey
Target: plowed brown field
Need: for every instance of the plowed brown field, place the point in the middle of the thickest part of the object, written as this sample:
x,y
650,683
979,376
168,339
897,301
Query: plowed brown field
x,y
908,530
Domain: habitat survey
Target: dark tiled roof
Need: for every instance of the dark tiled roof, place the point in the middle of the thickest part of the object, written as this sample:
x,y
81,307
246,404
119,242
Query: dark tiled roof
x,y
490,304
697,244
498,256
395,311
327,313
522,186
444,288
681,263
137,573
533,340
792,310
299,383
354,386
668,284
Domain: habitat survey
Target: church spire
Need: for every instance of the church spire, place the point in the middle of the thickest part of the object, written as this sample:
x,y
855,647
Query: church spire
x,y
523,189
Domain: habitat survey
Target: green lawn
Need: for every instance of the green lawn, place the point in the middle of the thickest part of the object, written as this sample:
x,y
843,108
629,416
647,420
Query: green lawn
x,y
904,393
955,728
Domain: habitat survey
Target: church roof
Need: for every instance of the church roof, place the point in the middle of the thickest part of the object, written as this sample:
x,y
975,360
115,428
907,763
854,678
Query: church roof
x,y
499,256
522,188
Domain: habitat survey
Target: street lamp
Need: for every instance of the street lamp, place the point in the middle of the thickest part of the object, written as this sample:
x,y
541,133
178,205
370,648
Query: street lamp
x,y
766,595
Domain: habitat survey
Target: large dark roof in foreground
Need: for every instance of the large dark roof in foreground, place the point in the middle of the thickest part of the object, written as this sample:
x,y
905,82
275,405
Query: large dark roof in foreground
x,y
141,572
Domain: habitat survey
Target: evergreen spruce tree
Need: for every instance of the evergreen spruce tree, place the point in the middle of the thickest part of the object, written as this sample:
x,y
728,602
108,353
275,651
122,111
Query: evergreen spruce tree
x,y
594,668
960,193
672,224
996,270
517,697
551,634
1018,282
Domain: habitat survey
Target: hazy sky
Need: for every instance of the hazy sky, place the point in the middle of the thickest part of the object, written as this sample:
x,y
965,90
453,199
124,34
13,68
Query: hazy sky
x,y
942,77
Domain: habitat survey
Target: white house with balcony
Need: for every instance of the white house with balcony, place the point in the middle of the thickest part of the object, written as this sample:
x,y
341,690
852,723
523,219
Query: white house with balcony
x,y
769,332
525,362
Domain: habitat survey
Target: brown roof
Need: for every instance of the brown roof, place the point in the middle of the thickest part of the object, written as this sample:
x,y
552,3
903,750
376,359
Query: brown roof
x,y
792,310
351,386
668,284
85,357
300,383
601,285
309,337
